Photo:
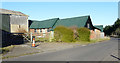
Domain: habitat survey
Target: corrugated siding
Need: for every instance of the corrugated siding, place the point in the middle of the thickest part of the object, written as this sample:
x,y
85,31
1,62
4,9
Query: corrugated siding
x,y
5,20
19,20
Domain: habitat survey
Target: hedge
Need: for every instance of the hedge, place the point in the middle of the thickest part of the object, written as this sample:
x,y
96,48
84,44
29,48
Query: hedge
x,y
84,34
63,34
71,34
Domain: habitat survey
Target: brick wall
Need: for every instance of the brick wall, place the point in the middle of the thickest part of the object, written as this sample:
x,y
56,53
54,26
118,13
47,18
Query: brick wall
x,y
38,33
95,34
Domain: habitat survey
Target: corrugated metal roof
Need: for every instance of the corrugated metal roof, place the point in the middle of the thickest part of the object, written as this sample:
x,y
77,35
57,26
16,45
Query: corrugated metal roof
x,y
99,27
5,11
75,21
68,22
43,24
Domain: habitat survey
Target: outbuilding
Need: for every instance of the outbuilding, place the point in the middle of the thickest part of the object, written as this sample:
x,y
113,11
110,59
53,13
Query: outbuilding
x,y
12,22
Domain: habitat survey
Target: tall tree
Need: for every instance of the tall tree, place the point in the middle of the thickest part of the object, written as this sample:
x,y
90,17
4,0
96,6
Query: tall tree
x,y
113,29
108,30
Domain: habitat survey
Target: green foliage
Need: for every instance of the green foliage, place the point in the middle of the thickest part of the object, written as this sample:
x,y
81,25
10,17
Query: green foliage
x,y
5,50
84,34
117,31
117,23
108,30
63,34
113,29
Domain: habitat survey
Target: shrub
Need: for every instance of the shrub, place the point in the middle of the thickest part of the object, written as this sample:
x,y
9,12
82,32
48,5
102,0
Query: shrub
x,y
84,34
75,33
63,34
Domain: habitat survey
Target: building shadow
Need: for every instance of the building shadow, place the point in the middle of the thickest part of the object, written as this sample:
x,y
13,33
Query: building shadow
x,y
8,39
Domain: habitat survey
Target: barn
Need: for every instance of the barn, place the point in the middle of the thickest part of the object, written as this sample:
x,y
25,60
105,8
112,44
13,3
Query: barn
x,y
12,22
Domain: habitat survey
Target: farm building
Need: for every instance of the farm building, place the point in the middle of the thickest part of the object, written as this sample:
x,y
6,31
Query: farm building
x,y
98,32
42,28
12,22
101,32
82,21
100,27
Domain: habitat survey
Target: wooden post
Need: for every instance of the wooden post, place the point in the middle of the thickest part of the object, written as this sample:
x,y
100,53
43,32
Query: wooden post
x,y
31,36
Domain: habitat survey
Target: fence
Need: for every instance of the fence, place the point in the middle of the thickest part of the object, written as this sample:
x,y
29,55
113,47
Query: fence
x,y
48,36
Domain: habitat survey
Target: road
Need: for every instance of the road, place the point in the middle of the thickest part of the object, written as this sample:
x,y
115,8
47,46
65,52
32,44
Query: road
x,y
92,52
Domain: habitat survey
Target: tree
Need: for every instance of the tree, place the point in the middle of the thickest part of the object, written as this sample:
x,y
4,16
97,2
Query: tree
x,y
117,23
113,29
108,30
117,27
117,31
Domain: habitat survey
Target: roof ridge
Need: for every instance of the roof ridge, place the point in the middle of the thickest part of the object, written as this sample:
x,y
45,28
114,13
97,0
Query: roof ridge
x,y
49,19
76,17
45,20
6,11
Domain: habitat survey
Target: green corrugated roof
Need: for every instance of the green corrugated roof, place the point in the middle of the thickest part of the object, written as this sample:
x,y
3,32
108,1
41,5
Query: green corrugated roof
x,y
75,21
43,24
99,27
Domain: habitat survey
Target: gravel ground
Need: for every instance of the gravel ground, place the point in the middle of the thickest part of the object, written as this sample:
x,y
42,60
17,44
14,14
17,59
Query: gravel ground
x,y
26,49
55,46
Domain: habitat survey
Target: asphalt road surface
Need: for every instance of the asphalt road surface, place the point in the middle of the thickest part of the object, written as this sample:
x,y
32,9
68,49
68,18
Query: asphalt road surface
x,y
92,52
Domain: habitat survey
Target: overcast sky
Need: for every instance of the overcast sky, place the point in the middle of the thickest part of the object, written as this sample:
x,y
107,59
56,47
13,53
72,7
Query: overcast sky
x,y
104,13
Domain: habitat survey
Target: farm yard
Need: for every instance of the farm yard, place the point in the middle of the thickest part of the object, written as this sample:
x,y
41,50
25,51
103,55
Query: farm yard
x,y
21,36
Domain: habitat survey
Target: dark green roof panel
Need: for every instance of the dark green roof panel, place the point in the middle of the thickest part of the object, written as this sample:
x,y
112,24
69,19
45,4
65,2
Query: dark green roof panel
x,y
43,24
75,21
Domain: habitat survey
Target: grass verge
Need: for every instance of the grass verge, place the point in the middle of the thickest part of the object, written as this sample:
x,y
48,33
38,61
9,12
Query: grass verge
x,y
4,50
6,57
99,40
91,41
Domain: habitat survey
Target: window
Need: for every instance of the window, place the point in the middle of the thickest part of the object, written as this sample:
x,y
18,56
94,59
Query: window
x,y
48,30
43,30
19,26
40,30
35,30
88,25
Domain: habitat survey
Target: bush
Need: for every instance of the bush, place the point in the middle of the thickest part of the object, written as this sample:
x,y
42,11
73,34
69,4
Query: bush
x,y
63,34
84,34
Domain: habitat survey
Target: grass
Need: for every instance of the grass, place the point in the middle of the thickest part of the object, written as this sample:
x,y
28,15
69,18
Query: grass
x,y
100,40
91,41
9,48
6,57
4,50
